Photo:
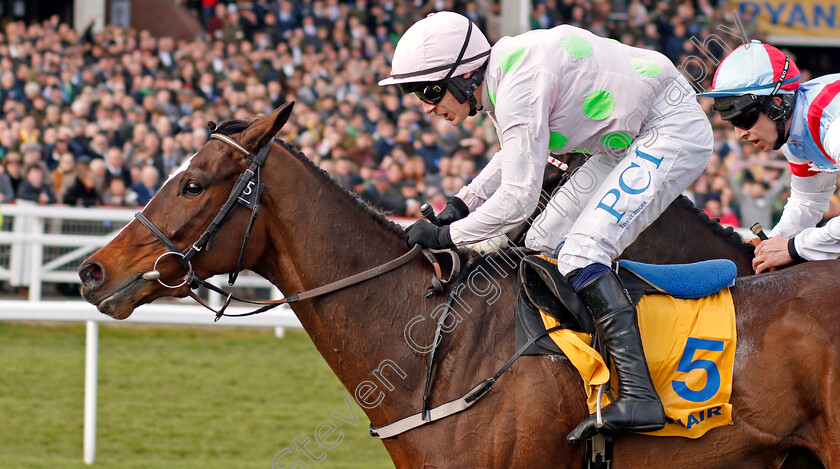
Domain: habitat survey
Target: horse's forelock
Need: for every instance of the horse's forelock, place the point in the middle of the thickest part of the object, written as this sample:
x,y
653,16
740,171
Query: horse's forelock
x,y
234,126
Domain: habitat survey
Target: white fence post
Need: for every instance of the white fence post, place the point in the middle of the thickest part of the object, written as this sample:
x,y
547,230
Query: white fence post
x,y
36,258
18,262
91,365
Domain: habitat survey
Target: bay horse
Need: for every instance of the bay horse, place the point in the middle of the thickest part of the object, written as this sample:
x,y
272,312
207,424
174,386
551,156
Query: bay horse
x,y
311,232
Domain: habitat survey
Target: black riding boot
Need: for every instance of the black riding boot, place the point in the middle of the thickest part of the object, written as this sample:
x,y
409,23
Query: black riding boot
x,y
637,408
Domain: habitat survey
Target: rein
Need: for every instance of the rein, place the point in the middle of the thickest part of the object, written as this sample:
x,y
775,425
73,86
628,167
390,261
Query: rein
x,y
243,188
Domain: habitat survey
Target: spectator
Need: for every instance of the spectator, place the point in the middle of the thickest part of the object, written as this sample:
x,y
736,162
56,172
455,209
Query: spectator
x,y
344,168
216,22
412,198
83,191
715,209
34,187
429,149
12,164
147,186
755,198
115,166
64,174
376,193
119,195
7,192
32,153
54,150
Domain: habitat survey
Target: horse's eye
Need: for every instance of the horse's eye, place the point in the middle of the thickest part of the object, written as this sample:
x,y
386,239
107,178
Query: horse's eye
x,y
193,188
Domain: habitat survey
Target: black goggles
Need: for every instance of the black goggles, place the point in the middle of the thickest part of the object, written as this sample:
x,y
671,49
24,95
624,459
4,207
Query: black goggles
x,y
741,111
747,119
428,92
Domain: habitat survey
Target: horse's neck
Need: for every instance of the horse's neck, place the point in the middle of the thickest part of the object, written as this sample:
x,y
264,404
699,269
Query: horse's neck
x,y
320,232
317,235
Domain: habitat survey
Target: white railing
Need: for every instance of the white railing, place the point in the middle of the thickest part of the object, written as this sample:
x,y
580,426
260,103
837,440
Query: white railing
x,y
42,244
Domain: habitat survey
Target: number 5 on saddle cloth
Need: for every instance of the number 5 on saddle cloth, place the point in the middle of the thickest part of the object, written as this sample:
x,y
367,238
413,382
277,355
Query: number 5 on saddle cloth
x,y
687,321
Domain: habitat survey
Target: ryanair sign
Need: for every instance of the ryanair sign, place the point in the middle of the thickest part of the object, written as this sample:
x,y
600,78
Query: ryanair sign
x,y
795,22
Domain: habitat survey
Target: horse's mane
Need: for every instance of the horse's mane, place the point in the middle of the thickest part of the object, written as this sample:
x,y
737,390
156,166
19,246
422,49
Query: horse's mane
x,y
235,126
727,234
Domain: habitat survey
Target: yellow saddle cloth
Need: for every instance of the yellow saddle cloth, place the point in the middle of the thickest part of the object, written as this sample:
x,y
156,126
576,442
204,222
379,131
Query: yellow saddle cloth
x,y
690,350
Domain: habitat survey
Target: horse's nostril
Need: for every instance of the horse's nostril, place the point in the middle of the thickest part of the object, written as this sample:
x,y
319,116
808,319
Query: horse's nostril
x,y
91,273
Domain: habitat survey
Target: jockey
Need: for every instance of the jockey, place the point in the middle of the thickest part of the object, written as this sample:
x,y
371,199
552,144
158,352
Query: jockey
x,y
757,89
564,90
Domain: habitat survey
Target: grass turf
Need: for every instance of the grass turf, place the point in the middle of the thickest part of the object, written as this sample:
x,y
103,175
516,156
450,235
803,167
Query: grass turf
x,y
174,398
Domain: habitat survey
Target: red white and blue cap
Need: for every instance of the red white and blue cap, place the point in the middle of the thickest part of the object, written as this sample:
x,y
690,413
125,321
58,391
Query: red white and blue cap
x,y
754,68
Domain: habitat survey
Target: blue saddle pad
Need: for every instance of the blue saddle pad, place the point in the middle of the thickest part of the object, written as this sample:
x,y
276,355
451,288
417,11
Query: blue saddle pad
x,y
686,280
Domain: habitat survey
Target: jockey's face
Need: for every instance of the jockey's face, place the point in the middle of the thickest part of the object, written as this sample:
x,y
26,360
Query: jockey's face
x,y
763,134
449,108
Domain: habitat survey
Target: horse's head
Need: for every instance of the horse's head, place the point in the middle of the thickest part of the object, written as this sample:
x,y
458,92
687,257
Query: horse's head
x,y
139,265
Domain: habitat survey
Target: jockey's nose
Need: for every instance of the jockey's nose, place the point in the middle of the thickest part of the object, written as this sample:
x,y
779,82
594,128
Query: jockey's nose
x,y
428,108
740,133
92,275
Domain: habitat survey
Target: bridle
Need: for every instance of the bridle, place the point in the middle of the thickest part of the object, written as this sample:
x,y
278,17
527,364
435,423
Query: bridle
x,y
242,183
245,186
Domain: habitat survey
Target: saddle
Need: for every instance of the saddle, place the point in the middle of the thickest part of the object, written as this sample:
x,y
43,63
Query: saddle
x,y
542,288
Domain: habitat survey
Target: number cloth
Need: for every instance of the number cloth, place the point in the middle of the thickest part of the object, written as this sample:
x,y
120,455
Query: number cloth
x,y
690,350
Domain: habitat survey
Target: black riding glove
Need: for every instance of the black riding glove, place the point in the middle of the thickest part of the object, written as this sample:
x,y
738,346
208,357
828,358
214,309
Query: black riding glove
x,y
455,210
430,236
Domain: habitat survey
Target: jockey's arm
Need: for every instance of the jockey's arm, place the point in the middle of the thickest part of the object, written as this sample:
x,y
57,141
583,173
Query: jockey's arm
x,y
520,180
809,200
522,126
483,185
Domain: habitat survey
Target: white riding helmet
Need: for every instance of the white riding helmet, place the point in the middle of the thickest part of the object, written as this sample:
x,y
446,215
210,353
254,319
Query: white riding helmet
x,y
429,50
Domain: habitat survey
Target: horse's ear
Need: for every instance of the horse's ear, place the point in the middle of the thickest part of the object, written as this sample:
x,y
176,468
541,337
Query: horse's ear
x,y
265,128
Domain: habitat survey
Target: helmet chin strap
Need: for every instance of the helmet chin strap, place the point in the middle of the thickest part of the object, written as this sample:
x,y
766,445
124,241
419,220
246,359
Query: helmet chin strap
x,y
782,135
780,113
463,89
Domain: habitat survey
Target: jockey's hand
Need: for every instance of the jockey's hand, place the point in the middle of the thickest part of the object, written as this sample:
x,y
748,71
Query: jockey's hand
x,y
455,210
771,253
430,236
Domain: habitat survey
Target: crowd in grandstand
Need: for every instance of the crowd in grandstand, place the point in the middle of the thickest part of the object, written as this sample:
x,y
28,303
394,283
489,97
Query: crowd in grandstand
x,y
102,117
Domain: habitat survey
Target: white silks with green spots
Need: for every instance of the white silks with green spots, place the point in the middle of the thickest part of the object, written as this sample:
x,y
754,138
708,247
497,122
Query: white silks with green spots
x,y
566,90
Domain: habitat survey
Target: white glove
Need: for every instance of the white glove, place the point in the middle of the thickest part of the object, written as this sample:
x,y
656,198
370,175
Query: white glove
x,y
491,246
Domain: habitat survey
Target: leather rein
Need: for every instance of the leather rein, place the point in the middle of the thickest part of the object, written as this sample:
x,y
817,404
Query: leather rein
x,y
242,189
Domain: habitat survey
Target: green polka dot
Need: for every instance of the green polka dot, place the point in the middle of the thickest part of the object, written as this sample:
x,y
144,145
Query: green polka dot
x,y
580,150
645,67
612,40
577,46
492,96
598,105
617,140
511,57
556,141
